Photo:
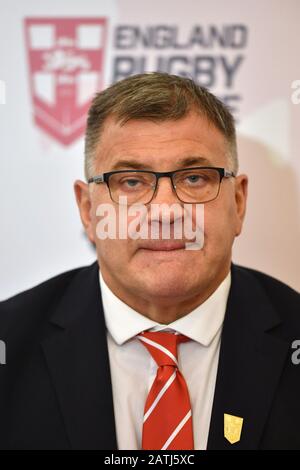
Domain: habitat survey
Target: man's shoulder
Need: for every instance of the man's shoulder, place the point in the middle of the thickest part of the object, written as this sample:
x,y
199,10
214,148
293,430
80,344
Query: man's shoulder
x,y
270,284
284,299
38,301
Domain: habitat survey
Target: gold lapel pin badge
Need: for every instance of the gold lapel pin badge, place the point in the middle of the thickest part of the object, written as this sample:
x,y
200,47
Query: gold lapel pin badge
x,y
233,428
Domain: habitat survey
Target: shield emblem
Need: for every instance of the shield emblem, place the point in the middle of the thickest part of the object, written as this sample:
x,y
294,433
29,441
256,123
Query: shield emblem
x,y
232,428
66,63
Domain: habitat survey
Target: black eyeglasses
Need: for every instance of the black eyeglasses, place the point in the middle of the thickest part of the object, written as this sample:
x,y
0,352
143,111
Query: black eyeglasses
x,y
191,185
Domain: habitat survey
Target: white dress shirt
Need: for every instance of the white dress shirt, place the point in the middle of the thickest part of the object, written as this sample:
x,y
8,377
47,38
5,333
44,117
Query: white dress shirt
x,y
133,369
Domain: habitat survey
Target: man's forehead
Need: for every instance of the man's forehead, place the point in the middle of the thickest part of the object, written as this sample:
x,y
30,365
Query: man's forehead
x,y
144,163
189,123
191,129
186,138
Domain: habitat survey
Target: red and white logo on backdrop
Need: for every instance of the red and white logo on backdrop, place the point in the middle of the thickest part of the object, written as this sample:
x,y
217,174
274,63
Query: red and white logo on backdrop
x,y
66,63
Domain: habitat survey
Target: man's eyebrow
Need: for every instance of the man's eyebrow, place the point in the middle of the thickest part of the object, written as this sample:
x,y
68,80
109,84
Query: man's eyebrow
x,y
188,161
132,164
180,163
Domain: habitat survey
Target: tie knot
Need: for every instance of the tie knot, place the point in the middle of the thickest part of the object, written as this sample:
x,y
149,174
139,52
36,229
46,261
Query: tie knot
x,y
162,346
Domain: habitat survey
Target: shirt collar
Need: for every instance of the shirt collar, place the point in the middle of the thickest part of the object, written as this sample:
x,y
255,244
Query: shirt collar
x,y
200,325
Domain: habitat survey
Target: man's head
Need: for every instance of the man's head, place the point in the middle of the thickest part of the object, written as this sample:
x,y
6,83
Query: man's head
x,y
158,97
162,123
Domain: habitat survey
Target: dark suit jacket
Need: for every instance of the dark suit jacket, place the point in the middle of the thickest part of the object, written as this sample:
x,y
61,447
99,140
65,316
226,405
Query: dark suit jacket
x,y
55,389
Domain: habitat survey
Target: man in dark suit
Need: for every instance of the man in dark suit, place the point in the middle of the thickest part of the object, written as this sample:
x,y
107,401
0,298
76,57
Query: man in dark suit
x,y
156,345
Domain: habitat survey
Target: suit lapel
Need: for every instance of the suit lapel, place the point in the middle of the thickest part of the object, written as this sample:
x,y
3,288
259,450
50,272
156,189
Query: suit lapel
x,y
77,357
251,361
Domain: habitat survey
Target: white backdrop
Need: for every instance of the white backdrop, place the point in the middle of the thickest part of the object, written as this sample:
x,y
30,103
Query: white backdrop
x,y
246,52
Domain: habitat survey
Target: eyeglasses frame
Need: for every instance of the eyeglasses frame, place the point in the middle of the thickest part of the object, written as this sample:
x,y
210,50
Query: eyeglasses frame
x,y
104,178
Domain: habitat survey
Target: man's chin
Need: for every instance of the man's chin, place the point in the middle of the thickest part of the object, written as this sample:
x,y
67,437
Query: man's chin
x,y
167,284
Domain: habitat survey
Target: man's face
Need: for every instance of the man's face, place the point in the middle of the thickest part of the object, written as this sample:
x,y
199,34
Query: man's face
x,y
133,266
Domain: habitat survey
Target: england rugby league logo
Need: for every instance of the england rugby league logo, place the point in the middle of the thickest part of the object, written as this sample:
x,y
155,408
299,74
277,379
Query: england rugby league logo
x,y
66,63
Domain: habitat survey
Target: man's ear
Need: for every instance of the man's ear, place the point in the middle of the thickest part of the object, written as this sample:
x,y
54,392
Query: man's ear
x,y
83,200
241,192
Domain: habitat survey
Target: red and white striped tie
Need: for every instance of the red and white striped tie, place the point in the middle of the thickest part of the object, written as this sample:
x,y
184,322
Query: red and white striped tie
x,y
168,414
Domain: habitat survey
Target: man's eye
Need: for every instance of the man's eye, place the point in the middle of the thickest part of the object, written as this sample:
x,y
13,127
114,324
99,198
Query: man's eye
x,y
194,179
131,183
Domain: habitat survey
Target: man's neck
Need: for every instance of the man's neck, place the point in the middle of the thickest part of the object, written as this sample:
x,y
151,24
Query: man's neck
x,y
163,310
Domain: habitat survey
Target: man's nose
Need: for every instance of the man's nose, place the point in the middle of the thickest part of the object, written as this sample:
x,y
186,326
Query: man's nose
x,y
165,193
168,207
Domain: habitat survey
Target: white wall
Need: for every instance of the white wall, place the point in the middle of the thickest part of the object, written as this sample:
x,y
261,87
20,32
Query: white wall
x,y
41,234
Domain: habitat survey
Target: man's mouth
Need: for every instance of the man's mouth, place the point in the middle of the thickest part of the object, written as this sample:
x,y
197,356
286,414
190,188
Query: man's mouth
x,y
168,245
